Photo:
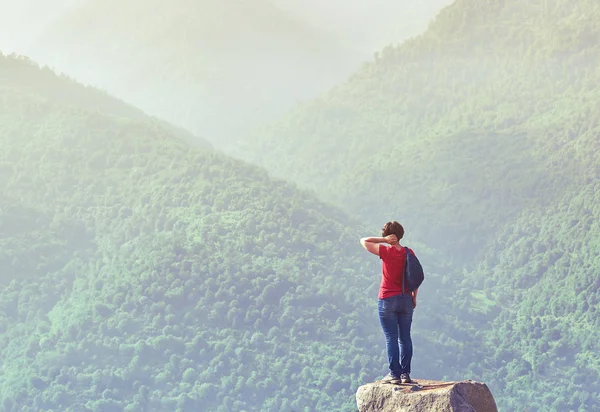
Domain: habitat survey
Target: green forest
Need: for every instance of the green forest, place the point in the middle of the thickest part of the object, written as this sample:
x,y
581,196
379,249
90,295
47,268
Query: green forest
x,y
141,269
141,272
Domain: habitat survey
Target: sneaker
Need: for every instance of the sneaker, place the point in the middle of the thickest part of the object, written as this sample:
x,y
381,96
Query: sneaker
x,y
390,377
405,378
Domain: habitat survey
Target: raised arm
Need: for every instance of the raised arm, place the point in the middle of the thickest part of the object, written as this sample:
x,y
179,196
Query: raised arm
x,y
372,243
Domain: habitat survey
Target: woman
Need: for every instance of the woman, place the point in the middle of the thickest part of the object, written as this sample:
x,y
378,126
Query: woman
x,y
396,304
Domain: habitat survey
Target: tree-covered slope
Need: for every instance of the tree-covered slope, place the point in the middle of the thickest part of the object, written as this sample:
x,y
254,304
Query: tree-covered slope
x,y
542,283
457,130
180,279
25,232
18,75
215,67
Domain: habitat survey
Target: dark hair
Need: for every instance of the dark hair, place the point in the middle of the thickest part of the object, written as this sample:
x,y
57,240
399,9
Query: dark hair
x,y
393,228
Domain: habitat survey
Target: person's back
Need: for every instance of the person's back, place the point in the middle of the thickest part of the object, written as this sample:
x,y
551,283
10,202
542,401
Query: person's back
x,y
396,304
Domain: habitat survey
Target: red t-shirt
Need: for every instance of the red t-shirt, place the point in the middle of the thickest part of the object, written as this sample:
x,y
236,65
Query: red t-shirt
x,y
392,260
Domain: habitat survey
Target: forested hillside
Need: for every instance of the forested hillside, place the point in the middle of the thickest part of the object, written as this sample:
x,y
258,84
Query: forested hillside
x,y
215,67
543,276
25,232
18,75
141,273
457,130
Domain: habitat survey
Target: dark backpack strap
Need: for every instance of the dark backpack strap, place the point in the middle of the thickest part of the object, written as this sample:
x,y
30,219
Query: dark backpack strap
x,y
406,270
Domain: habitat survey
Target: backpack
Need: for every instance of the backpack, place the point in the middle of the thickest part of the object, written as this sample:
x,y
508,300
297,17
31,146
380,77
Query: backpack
x,y
413,272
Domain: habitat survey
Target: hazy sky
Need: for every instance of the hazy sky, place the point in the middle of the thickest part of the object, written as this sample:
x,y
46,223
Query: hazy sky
x,y
367,25
22,21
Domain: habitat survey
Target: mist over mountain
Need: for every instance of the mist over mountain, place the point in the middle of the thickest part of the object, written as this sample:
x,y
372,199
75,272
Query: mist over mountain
x,y
23,21
221,68
215,67
368,25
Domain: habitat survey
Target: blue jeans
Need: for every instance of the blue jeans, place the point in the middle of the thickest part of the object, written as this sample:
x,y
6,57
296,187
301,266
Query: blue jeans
x,y
395,315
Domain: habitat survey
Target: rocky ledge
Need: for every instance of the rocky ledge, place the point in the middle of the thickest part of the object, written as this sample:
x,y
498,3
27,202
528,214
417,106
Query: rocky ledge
x,y
425,396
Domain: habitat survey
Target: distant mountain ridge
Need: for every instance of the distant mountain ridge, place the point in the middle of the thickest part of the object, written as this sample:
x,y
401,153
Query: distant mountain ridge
x,y
20,73
215,67
369,25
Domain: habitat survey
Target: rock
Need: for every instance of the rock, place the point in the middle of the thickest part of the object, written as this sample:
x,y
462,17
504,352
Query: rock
x,y
425,396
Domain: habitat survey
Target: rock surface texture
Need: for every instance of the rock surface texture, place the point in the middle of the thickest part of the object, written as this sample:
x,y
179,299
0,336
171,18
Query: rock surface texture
x,y
425,396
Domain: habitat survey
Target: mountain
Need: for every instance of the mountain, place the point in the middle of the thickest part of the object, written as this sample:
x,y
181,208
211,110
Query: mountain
x,y
458,130
43,83
141,272
214,67
221,67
